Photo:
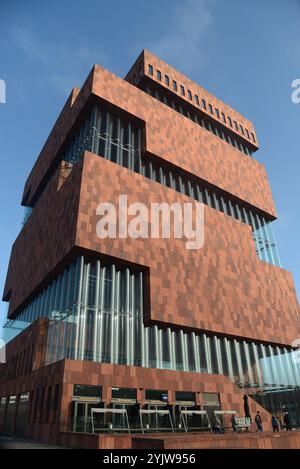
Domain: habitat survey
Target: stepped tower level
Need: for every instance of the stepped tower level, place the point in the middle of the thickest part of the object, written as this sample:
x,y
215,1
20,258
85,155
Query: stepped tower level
x,y
144,324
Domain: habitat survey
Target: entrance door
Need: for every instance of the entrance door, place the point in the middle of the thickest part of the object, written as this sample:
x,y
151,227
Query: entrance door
x,y
211,403
81,415
156,419
3,404
21,417
10,416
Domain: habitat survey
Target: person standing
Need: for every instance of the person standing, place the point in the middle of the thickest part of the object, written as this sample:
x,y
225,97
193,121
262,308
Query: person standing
x,y
287,421
247,412
217,425
234,423
275,423
258,422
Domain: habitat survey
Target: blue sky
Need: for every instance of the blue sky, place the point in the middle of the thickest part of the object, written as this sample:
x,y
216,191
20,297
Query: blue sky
x,y
246,53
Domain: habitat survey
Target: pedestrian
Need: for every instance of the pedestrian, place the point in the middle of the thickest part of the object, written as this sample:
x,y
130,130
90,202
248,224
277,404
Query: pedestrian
x,y
217,425
258,422
248,424
234,423
275,423
287,421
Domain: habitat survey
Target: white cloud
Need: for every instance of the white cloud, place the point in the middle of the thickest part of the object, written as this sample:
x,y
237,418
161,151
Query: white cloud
x,y
183,41
60,64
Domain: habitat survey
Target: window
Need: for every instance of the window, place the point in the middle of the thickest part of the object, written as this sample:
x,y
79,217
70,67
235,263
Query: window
x,y
123,393
253,138
247,133
185,396
158,75
182,92
190,95
80,390
150,69
31,405
48,404
207,123
156,395
242,129
41,406
36,404
55,403
211,399
167,80
174,85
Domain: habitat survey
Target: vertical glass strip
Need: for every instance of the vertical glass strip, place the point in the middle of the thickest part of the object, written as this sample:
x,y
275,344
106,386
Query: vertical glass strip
x,y
239,361
207,352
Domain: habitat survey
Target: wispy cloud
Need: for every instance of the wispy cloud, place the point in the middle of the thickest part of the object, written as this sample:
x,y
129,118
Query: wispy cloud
x,y
62,65
183,42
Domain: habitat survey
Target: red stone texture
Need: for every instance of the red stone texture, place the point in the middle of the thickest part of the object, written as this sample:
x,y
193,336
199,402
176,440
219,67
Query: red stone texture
x,y
52,426
183,441
108,375
26,352
169,136
222,287
88,441
45,240
65,121
140,69
41,427
178,140
245,440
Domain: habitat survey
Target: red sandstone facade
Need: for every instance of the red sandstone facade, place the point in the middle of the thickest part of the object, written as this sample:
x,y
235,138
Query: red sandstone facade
x,y
223,289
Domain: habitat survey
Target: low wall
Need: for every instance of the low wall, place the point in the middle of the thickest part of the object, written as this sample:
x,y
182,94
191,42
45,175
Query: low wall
x,y
171,441
89,441
282,440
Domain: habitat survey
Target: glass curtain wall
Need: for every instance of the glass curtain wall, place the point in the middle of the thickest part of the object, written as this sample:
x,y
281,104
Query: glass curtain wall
x,y
262,231
96,313
106,324
119,140
113,138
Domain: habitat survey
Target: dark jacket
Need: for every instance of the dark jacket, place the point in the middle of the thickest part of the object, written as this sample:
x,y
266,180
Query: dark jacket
x,y
274,421
258,419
